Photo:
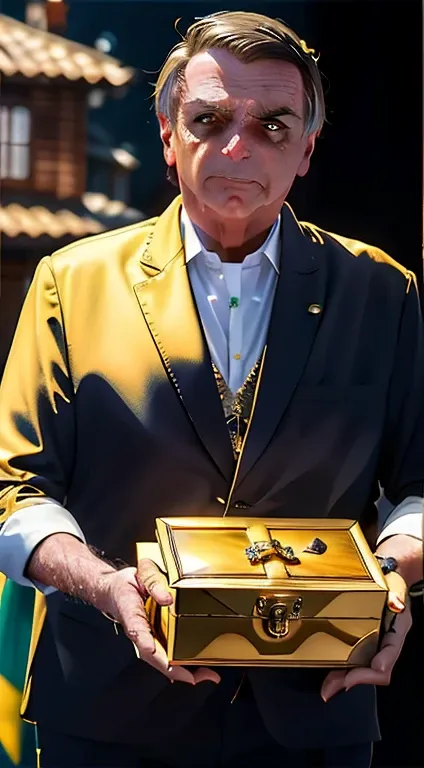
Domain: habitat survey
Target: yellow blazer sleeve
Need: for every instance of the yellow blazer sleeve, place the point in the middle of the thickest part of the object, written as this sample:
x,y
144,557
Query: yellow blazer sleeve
x,y
36,403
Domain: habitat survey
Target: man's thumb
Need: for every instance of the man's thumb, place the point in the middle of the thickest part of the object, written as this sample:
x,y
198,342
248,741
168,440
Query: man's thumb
x,y
153,582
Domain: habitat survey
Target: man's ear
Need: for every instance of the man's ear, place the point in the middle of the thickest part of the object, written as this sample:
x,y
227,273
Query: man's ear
x,y
166,134
305,162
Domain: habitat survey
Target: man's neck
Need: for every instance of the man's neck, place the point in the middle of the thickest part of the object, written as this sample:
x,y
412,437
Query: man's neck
x,y
231,239
233,253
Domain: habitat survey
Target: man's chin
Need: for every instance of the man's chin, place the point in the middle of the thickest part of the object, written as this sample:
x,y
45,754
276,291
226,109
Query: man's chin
x,y
232,207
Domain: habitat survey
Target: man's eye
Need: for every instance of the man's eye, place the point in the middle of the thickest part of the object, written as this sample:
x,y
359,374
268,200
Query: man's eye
x,y
273,127
205,119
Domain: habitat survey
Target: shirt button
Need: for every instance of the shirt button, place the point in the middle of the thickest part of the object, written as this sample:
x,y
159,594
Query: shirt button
x,y
237,356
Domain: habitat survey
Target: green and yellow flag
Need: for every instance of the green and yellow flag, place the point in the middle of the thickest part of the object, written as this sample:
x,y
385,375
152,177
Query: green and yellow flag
x,y
17,741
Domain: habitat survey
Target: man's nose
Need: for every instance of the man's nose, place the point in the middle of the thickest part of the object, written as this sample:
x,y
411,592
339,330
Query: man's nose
x,y
236,148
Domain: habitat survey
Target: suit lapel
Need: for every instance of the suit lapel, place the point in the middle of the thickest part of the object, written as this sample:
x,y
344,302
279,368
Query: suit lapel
x,y
170,311
302,283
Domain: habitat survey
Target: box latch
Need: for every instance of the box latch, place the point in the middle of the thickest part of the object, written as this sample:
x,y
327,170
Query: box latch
x,y
277,612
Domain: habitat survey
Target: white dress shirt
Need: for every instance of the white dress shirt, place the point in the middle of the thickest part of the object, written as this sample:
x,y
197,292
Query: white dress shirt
x,y
236,338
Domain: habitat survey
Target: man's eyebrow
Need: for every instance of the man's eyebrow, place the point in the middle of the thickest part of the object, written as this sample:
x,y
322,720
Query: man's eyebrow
x,y
268,114
210,107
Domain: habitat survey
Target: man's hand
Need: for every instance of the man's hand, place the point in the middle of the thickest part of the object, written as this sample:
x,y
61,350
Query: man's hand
x,y
124,593
64,562
380,670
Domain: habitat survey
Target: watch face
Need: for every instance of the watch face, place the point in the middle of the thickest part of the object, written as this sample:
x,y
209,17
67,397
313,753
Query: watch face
x,y
388,564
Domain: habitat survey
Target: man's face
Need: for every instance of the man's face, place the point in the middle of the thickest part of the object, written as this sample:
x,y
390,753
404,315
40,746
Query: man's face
x,y
238,141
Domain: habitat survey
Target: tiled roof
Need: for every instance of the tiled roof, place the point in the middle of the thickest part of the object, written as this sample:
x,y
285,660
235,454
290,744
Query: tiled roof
x,y
100,205
34,221
94,213
31,52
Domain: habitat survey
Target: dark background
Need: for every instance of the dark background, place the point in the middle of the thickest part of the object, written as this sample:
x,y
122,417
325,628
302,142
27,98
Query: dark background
x,y
366,175
365,180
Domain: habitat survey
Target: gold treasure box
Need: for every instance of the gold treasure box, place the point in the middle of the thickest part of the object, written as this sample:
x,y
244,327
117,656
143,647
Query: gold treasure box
x,y
267,592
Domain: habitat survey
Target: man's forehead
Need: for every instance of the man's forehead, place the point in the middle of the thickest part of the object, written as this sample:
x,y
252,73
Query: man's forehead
x,y
220,77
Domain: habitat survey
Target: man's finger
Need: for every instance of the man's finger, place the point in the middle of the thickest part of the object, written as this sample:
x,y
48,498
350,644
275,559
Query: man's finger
x,y
386,658
380,670
139,632
153,582
204,674
333,683
154,654
159,661
134,620
368,676
149,650
181,675
398,591
131,614
396,630
343,681
136,625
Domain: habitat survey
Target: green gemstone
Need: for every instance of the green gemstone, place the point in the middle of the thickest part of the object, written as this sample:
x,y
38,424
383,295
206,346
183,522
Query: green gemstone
x,y
234,302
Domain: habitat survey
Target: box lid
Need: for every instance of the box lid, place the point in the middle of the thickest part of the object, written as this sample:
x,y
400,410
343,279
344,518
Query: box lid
x,y
233,556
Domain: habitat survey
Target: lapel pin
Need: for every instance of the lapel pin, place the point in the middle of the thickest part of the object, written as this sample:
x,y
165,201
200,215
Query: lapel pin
x,y
315,309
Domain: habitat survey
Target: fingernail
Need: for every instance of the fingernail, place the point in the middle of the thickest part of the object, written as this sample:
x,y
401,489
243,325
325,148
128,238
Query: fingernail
x,y
396,600
323,698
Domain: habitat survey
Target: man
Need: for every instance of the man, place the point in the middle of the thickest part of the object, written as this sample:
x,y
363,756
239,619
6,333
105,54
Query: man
x,y
111,415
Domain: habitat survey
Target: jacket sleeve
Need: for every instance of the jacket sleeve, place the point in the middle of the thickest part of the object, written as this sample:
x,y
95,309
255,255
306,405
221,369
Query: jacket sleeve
x,y
37,429
401,470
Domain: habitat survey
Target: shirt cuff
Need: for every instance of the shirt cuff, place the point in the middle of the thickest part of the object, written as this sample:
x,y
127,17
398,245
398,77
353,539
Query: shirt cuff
x,y
406,519
23,531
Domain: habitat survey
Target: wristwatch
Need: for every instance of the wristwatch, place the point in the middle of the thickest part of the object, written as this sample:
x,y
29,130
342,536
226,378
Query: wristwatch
x,y
387,564
390,564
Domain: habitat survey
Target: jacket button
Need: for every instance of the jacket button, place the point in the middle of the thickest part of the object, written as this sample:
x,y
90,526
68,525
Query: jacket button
x,y
241,505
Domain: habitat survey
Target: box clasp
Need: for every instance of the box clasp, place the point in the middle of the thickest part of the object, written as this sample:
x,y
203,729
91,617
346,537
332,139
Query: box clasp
x,y
261,551
277,615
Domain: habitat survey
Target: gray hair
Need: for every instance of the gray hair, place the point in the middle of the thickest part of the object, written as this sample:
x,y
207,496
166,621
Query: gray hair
x,y
249,37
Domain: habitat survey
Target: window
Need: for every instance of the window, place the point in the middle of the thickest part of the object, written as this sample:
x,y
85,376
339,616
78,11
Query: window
x,y
15,135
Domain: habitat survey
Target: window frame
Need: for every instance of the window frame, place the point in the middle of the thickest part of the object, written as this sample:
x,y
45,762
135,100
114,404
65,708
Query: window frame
x,y
9,104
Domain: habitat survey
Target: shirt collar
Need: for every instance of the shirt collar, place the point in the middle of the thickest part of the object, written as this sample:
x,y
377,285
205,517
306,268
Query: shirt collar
x,y
193,245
